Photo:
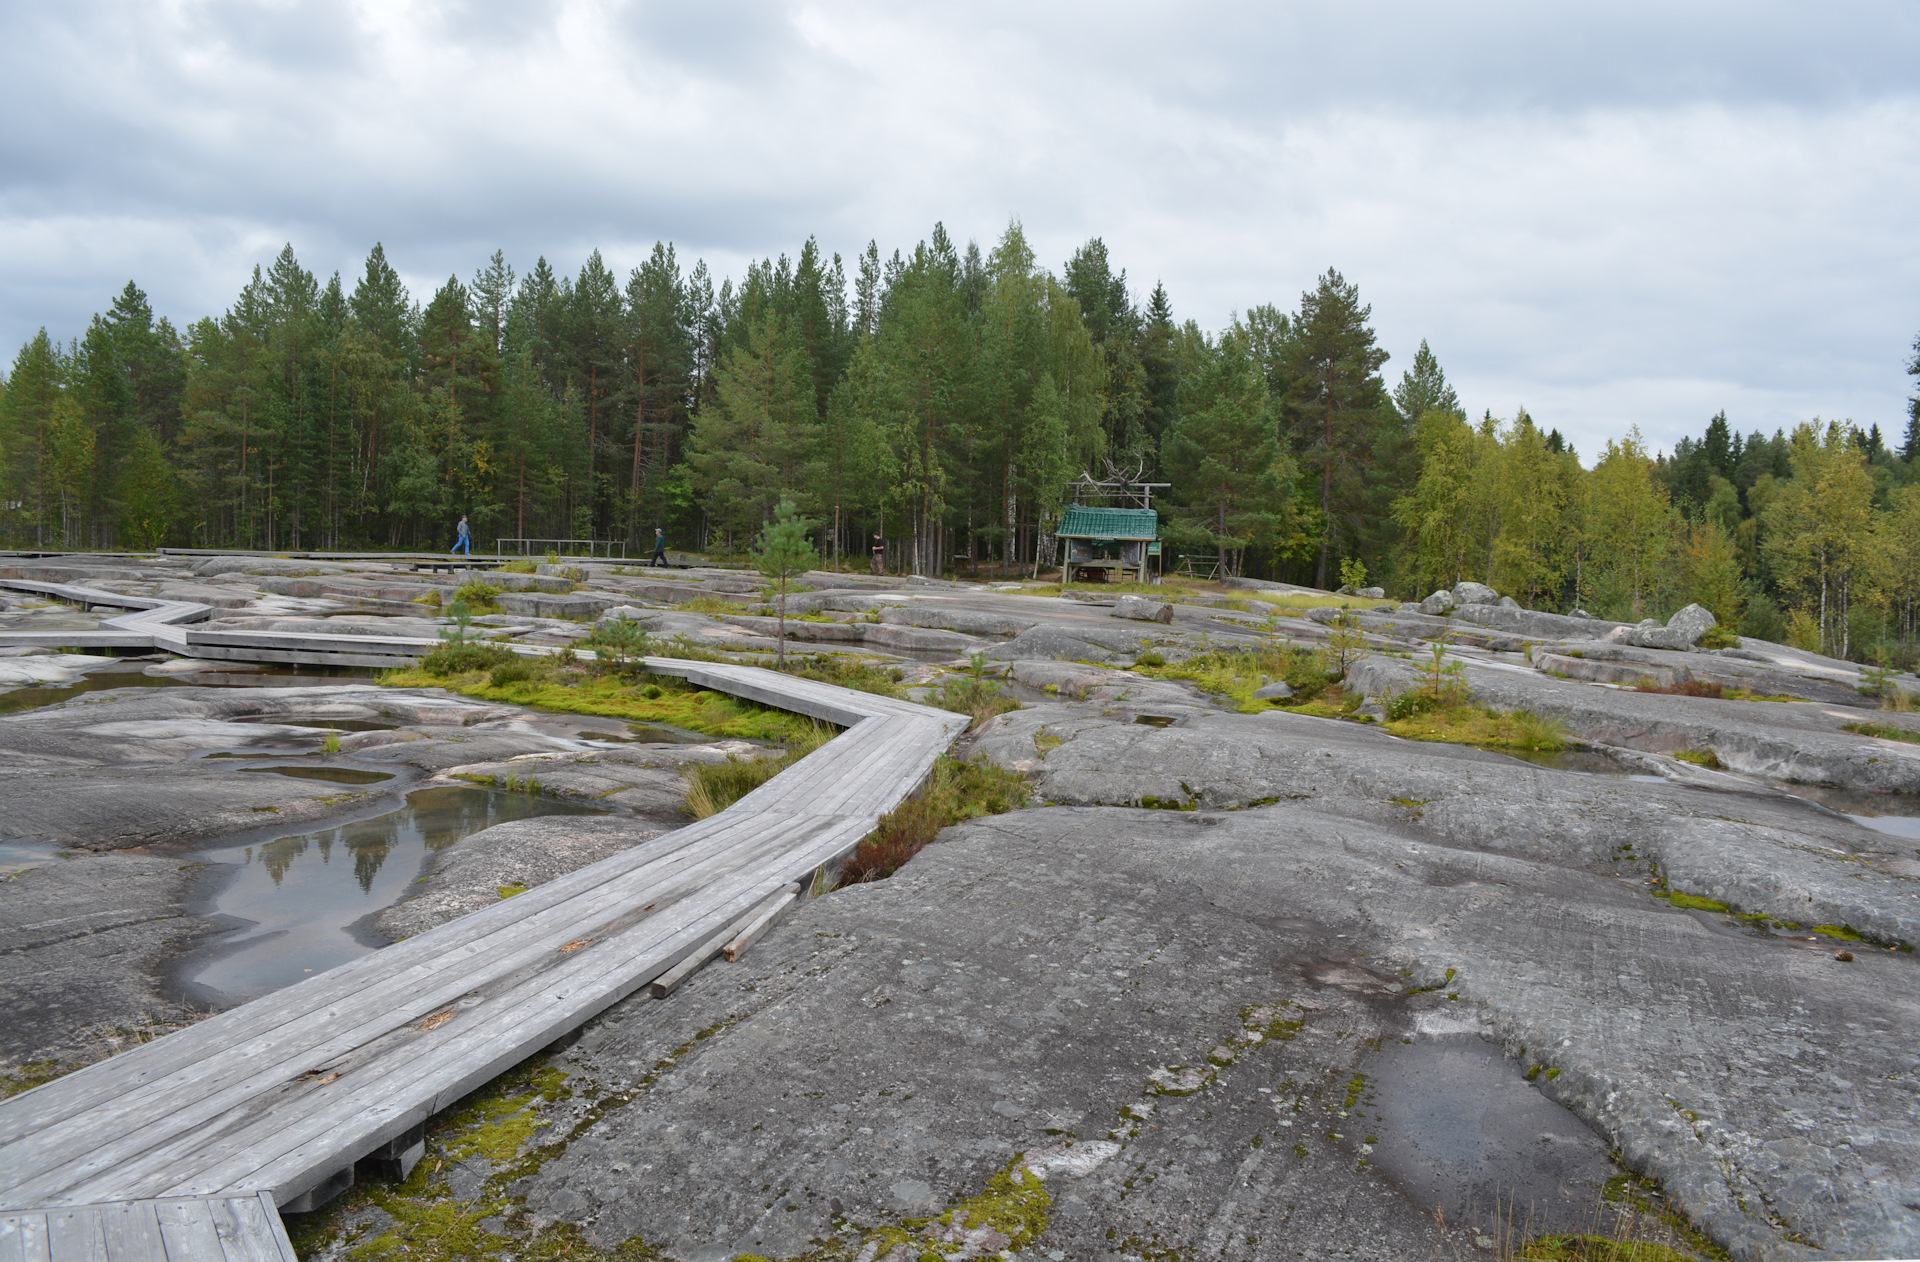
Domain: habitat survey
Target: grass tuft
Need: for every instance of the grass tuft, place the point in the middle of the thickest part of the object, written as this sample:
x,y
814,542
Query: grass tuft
x,y
713,787
956,791
1885,731
849,672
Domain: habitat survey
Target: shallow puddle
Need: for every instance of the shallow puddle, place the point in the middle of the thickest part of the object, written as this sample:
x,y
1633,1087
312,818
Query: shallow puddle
x,y
648,734
299,896
33,696
1585,761
321,725
332,775
1457,1125
18,856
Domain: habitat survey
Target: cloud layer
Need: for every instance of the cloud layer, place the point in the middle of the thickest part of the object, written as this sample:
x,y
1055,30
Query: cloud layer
x,y
1634,215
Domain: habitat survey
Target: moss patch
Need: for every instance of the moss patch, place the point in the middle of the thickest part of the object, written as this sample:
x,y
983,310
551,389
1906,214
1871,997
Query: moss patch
x,y
28,1075
1477,725
671,702
1693,903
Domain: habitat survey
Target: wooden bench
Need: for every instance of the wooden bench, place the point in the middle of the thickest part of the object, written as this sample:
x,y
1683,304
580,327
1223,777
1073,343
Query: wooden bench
x,y
280,1097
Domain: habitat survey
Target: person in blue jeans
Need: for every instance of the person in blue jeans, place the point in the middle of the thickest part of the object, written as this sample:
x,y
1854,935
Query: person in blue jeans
x,y
464,543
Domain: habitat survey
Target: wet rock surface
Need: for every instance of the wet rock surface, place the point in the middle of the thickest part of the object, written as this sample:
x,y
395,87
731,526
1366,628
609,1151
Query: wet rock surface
x,y
1253,985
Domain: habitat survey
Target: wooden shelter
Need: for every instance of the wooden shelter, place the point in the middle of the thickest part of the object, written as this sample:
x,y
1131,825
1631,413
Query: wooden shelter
x,y
1118,544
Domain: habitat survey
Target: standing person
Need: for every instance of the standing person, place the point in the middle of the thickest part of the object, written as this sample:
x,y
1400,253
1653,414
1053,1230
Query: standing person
x,y
464,543
879,554
660,547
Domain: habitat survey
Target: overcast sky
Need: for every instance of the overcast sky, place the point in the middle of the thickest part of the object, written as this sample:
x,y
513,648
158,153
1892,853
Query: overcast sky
x,y
1610,214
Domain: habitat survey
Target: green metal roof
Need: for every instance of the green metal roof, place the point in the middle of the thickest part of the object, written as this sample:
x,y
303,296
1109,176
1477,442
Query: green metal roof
x,y
1083,522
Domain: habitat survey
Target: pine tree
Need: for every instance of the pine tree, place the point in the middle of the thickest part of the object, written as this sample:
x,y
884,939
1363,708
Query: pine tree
x,y
784,554
1334,402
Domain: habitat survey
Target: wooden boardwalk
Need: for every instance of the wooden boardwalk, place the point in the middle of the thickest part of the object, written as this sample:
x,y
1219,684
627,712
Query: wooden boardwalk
x,y
279,1098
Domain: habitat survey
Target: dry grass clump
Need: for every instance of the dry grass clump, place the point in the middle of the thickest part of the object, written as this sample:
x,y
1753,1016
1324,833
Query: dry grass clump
x,y
714,786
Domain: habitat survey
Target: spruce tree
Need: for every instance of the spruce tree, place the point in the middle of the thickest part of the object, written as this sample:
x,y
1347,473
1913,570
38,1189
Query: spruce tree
x,y
1424,388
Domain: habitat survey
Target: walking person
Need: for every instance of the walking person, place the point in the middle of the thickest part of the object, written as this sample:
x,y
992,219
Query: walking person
x,y
464,543
660,548
879,554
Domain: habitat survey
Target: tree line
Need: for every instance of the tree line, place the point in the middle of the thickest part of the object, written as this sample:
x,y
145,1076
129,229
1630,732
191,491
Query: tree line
x,y
943,397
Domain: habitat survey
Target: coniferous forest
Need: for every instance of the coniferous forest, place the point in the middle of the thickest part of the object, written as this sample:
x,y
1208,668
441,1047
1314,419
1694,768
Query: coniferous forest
x,y
945,397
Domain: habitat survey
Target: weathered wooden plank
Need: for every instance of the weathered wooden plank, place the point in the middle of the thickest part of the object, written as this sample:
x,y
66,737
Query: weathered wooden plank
x,y
23,1236
759,921
132,1232
247,1230
186,1225
295,657
77,639
75,1235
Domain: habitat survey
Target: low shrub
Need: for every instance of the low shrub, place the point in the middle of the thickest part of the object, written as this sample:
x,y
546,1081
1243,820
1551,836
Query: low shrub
x,y
517,671
477,595
1700,758
1719,636
973,694
955,792
1151,658
457,657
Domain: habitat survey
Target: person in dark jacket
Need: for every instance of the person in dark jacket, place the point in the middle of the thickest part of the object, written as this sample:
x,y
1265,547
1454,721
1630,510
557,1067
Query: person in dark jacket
x,y
660,547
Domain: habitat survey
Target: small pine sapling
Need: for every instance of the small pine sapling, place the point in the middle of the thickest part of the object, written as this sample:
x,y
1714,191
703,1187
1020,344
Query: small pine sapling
x,y
784,554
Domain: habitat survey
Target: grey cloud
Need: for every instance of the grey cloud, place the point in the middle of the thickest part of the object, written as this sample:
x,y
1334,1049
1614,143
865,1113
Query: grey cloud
x,y
1608,214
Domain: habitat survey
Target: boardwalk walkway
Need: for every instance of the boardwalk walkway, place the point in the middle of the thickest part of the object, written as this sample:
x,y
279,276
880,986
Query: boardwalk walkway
x,y
278,1098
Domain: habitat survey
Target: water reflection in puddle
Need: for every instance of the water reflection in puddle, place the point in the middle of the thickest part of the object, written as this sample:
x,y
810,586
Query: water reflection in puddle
x,y
332,775
301,894
647,734
18,856
34,696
